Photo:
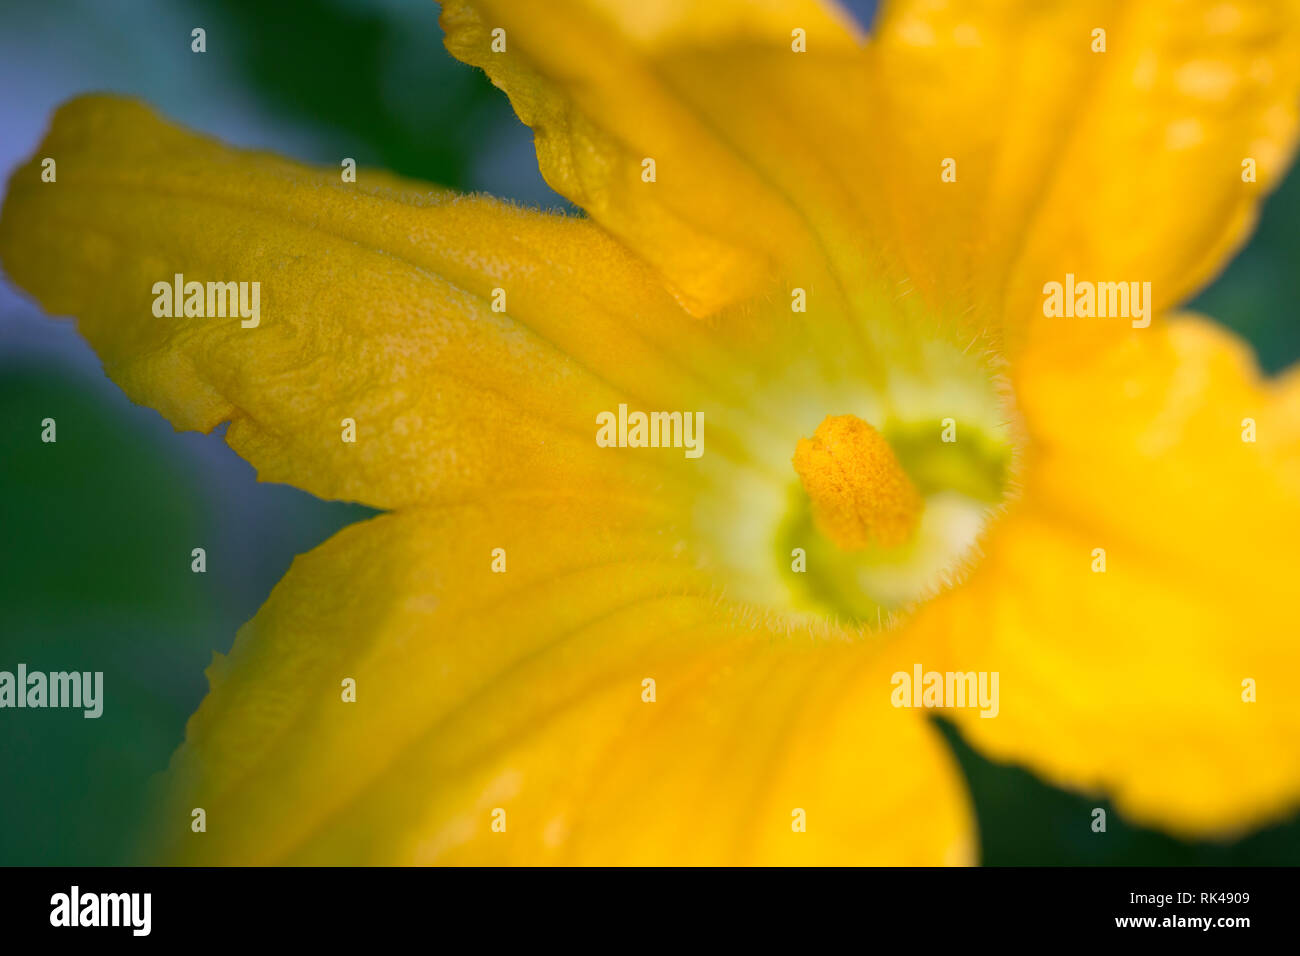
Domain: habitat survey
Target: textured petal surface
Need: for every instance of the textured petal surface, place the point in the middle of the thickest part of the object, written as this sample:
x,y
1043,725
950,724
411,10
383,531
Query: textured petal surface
x,y
1067,160
1131,681
376,304
1123,165
607,85
524,691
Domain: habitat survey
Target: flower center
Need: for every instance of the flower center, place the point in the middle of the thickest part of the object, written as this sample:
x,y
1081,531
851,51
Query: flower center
x,y
859,492
904,440
882,520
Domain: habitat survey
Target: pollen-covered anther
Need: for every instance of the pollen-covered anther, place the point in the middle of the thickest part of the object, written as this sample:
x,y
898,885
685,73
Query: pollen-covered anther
x,y
860,493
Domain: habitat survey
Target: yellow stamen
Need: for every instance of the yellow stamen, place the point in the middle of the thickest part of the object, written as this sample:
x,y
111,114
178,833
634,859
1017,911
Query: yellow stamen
x,y
860,493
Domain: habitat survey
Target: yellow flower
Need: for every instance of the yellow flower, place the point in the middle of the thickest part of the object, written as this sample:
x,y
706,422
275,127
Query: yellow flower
x,y
837,251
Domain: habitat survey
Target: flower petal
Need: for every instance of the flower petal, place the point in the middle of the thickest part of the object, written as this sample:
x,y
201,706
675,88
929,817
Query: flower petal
x,y
376,305
1123,165
524,691
1132,680
607,84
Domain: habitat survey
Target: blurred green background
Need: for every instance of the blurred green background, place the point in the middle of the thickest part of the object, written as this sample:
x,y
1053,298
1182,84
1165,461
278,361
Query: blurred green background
x,y
96,530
